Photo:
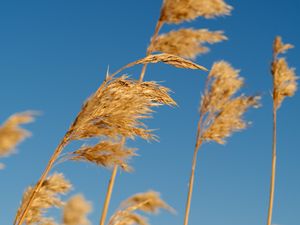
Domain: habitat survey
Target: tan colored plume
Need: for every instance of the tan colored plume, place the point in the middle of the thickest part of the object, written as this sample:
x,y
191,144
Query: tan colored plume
x,y
116,109
11,134
221,111
149,202
47,197
177,11
106,153
187,43
152,202
284,77
76,210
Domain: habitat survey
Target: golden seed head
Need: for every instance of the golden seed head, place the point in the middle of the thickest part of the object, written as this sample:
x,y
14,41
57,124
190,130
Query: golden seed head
x,y
284,77
221,110
46,198
11,134
149,202
76,210
106,153
118,107
177,11
187,43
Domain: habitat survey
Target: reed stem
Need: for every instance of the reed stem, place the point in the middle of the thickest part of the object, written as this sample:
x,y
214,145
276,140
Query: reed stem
x,y
108,194
194,163
273,173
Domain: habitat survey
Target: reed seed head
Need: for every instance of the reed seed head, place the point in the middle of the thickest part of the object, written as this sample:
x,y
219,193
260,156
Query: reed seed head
x,y
47,197
152,202
76,210
106,153
187,43
178,11
149,202
118,107
284,77
11,134
221,110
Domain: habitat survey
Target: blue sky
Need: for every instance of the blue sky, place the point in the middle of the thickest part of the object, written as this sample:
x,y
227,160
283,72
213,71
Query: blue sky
x,y
54,54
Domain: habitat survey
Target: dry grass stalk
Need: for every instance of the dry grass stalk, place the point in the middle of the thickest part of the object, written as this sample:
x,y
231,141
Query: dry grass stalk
x,y
169,59
284,85
220,113
178,11
106,153
187,43
76,210
46,198
11,134
148,202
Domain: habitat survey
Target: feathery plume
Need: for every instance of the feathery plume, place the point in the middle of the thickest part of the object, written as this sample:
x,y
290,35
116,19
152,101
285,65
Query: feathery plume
x,y
149,202
222,111
177,11
76,210
46,198
123,103
152,202
187,43
11,134
285,79
105,153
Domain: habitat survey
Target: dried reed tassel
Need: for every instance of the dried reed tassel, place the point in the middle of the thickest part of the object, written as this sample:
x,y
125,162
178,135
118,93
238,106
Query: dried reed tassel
x,y
47,197
148,202
284,85
220,113
187,43
11,134
178,11
76,210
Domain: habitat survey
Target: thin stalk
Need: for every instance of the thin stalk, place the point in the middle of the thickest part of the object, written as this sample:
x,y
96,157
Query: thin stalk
x,y
273,174
109,190
158,26
108,194
38,186
192,177
191,186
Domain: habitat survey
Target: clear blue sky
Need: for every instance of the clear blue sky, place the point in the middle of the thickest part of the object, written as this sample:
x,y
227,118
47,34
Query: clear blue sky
x,y
54,54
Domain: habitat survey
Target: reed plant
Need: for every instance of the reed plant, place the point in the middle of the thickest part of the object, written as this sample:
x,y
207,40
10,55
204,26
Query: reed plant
x,y
284,85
